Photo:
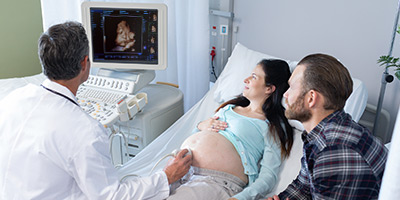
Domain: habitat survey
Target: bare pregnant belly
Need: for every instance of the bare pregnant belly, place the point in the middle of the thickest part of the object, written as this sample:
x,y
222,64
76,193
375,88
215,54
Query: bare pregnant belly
x,y
212,150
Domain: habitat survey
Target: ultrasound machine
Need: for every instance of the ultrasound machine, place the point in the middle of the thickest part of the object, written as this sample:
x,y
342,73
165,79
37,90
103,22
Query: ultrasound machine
x,y
128,42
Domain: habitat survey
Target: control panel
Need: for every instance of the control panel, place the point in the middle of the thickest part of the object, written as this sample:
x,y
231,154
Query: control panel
x,y
108,99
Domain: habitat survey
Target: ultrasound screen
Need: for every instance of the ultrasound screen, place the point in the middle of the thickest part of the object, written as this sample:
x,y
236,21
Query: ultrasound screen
x,y
124,35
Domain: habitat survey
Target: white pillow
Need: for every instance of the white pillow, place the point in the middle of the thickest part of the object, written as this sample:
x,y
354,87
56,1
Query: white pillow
x,y
239,66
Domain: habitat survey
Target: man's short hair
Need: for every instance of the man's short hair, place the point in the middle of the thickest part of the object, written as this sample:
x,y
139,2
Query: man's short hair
x,y
325,74
61,50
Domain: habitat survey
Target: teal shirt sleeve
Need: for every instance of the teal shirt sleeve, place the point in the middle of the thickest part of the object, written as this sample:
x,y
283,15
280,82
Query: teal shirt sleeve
x,y
195,130
268,175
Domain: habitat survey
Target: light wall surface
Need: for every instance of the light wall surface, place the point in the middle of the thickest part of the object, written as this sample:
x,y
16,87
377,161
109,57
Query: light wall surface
x,y
21,26
356,32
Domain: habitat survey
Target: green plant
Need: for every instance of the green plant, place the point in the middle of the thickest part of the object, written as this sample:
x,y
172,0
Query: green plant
x,y
390,61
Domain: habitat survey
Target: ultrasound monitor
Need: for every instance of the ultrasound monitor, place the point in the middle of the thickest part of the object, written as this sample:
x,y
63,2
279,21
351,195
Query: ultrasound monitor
x,y
126,35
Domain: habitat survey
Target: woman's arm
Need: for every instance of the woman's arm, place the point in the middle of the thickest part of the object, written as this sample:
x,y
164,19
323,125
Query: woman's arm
x,y
268,176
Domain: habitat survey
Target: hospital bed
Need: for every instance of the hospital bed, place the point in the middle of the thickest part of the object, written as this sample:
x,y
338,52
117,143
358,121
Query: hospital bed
x,y
229,84
10,84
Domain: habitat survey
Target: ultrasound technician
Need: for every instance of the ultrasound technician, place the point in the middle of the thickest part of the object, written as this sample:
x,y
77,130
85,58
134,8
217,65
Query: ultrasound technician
x,y
52,149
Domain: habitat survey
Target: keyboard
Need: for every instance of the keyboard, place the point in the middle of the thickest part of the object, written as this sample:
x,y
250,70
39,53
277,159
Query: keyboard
x,y
100,95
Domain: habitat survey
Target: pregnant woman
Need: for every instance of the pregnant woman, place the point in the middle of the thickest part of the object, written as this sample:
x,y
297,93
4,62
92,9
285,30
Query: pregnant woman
x,y
237,153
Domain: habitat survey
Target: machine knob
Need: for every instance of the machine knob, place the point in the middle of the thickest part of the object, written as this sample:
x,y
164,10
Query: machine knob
x,y
135,137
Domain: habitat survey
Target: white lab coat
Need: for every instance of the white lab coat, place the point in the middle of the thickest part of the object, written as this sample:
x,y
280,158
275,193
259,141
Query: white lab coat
x,y
51,149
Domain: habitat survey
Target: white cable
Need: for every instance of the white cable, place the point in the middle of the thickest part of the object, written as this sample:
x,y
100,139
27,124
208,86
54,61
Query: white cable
x,y
126,176
173,154
111,137
126,143
158,162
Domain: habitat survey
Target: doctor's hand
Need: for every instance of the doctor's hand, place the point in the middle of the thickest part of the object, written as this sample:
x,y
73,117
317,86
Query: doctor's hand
x,y
177,167
212,124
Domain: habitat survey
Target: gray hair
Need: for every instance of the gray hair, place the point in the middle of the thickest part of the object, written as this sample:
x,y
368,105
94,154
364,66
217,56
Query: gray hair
x,y
61,49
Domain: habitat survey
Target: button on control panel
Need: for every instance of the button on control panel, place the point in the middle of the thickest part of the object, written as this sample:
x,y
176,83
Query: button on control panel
x,y
118,85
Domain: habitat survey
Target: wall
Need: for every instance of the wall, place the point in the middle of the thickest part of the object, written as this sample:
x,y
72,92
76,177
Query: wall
x,y
220,42
21,26
356,32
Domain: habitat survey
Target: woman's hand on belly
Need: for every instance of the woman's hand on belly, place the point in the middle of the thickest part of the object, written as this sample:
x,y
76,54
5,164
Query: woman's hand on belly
x,y
212,124
212,150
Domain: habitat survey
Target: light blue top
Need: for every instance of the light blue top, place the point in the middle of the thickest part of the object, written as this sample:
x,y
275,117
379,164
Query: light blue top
x,y
260,154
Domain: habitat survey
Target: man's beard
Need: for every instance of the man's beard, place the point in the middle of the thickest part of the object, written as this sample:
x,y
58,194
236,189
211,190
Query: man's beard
x,y
297,110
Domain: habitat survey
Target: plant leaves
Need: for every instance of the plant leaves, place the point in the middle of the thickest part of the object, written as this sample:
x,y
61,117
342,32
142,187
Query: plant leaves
x,y
389,61
397,74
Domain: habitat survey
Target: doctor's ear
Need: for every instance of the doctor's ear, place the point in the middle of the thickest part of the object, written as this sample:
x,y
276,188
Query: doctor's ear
x,y
85,62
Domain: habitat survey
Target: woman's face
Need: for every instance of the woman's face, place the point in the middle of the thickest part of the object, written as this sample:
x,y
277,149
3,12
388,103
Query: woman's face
x,y
255,87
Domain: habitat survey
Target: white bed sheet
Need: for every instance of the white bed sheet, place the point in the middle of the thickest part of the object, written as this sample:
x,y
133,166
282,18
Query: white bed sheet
x,y
173,137
10,84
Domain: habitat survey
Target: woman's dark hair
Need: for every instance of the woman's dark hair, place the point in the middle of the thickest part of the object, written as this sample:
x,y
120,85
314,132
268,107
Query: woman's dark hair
x,y
277,73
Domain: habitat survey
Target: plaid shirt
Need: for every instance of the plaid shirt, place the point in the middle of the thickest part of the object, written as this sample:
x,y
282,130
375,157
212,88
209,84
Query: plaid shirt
x,y
341,160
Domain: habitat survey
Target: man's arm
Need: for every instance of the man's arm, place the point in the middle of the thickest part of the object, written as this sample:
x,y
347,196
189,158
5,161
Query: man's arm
x,y
300,187
98,179
342,173
296,191
292,192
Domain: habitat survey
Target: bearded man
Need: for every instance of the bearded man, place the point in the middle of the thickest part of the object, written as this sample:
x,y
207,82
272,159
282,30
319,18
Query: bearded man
x,y
341,158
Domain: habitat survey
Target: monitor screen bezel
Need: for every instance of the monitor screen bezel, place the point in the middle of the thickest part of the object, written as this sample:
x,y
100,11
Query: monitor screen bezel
x,y
161,36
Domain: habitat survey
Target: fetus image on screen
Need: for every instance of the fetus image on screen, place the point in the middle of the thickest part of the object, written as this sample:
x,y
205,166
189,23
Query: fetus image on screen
x,y
125,37
153,29
238,151
152,51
